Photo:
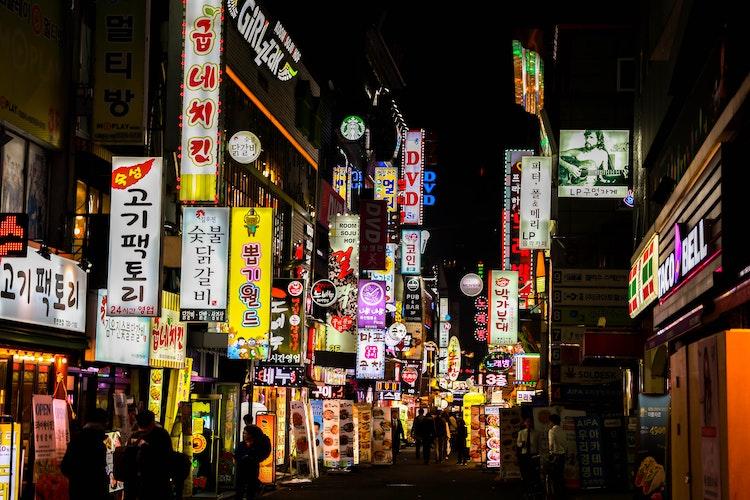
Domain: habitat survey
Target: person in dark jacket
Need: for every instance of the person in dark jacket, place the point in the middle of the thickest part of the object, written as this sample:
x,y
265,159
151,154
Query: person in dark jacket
x,y
415,428
154,459
461,434
441,433
398,434
426,432
85,460
248,456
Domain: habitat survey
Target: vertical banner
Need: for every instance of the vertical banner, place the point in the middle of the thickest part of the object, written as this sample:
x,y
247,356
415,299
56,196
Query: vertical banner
x,y
346,432
511,205
476,431
652,445
298,414
413,167
412,299
250,272
199,155
205,254
364,430
120,73
331,452
343,271
590,456
341,183
492,434
135,231
317,415
267,423
411,253
371,354
454,359
371,304
503,324
287,321
536,197
382,435
373,234
386,186
388,276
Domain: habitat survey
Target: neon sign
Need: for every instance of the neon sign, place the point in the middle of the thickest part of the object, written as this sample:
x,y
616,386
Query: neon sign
x,y
687,254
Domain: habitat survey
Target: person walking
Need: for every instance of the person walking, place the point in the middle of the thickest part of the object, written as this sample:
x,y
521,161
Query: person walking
x,y
441,434
461,435
415,429
426,432
154,459
398,435
527,446
85,460
452,422
254,448
557,451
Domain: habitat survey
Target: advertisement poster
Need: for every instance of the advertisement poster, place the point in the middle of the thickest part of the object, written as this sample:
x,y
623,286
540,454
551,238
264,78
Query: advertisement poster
x,y
413,168
200,103
346,433
476,434
168,335
710,418
386,186
364,430
205,260
652,449
536,199
371,354
414,342
343,270
492,434
382,445
317,414
123,340
510,425
594,163
590,454
411,251
299,429
135,229
503,308
155,384
10,470
331,432
250,272
287,321
44,427
412,299
267,423
111,442
388,276
371,304
373,217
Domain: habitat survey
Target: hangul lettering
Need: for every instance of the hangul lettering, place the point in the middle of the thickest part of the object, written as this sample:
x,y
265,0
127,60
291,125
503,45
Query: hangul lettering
x,y
203,76
7,293
119,63
199,149
134,271
202,36
196,235
59,292
204,276
201,112
138,242
119,28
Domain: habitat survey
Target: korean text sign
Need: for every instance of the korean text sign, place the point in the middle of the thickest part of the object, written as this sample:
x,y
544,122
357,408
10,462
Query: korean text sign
x,y
135,237
205,248
371,304
503,295
250,282
343,270
411,252
373,234
388,276
413,165
121,340
386,186
536,186
200,103
168,336
287,321
43,292
371,354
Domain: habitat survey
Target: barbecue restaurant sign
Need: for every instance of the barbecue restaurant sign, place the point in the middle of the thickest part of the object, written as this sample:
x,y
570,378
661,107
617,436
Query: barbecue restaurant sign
x,y
690,249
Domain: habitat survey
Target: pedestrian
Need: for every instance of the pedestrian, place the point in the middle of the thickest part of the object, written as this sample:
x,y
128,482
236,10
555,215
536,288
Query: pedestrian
x,y
415,429
254,448
398,435
426,433
557,450
85,460
154,459
461,435
452,422
441,435
527,447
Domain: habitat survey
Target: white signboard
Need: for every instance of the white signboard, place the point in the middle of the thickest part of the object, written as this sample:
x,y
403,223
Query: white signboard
x,y
135,237
536,196
43,292
120,340
244,147
62,431
205,251
411,258
503,295
44,427
371,354
471,285
413,166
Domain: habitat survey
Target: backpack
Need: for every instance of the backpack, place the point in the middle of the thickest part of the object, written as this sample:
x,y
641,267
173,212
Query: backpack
x,y
125,462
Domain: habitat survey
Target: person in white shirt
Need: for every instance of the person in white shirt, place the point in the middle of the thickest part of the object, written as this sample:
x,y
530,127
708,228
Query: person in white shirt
x,y
557,449
527,444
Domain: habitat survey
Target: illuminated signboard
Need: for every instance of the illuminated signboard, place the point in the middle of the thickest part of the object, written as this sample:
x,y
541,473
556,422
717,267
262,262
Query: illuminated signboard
x,y
352,128
480,319
528,77
527,367
503,307
14,234
287,321
690,249
371,354
411,256
413,165
594,163
536,198
515,258
386,186
643,283
454,359
343,271
430,180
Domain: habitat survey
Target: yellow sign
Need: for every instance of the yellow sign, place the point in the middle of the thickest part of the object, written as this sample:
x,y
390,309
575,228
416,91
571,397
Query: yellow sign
x,y
470,399
386,186
119,90
155,391
10,472
33,88
183,384
199,443
267,423
250,273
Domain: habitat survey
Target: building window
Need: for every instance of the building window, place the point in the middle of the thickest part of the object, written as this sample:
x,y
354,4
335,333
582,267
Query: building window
x,y
90,202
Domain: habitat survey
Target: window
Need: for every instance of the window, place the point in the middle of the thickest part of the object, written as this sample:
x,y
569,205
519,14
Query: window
x,y
90,202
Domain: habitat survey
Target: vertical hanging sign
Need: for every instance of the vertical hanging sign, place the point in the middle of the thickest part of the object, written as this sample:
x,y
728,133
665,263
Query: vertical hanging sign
x,y
343,271
205,249
536,195
503,295
411,256
287,321
388,275
135,237
373,234
386,186
371,354
250,282
413,165
200,102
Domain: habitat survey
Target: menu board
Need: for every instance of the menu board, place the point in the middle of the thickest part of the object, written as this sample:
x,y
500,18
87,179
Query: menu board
x,y
331,455
493,441
346,433
510,425
477,434
364,432
382,445
589,445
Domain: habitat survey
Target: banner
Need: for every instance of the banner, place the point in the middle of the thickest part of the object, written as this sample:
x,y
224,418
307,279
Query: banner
x,y
199,120
411,255
412,299
343,270
331,427
388,276
413,167
511,253
594,163
250,272
492,434
287,321
371,304
652,446
386,186
62,430
168,336
155,391
371,354
299,429
503,308
536,198
346,433
364,430
373,234
135,231
382,436
120,72
205,256
120,340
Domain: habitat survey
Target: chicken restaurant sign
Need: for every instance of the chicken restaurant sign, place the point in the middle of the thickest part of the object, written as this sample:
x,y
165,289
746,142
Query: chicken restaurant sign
x,y
690,250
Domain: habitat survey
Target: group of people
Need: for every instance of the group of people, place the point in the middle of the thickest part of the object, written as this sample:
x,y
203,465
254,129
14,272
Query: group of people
x,y
439,429
527,444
